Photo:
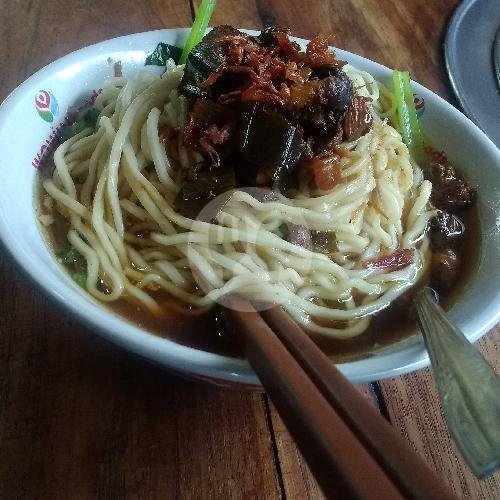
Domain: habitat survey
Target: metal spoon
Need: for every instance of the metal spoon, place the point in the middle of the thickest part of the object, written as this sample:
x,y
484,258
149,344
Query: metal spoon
x,y
468,387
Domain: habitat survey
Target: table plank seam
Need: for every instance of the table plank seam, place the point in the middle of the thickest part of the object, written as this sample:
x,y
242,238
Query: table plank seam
x,y
380,401
192,9
274,449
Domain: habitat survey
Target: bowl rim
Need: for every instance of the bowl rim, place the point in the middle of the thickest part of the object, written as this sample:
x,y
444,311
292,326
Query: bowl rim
x,y
224,370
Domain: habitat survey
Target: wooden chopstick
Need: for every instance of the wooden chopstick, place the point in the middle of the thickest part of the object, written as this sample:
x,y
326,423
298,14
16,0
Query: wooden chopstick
x,y
412,475
337,459
351,449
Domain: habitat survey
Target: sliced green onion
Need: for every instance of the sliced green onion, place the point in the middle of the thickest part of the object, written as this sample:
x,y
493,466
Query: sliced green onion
x,y
199,27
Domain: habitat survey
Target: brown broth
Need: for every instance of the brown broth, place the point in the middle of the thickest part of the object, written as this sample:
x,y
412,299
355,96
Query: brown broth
x,y
398,322
207,331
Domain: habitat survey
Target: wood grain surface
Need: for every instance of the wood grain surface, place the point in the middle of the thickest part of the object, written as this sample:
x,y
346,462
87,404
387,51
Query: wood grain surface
x,y
81,418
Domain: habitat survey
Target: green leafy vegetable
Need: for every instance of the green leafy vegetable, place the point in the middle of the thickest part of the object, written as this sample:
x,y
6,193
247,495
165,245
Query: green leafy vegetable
x,y
68,254
91,116
80,279
74,262
162,54
199,27
77,127
74,128
89,120
409,126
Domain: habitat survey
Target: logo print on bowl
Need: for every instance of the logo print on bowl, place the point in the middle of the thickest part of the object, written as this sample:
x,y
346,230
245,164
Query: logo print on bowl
x,y
419,105
46,105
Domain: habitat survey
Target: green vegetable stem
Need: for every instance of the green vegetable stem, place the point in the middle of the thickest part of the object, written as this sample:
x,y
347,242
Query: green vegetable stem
x,y
199,27
409,126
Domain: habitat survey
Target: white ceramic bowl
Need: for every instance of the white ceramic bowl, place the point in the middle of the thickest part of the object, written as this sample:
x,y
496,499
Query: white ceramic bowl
x,y
71,80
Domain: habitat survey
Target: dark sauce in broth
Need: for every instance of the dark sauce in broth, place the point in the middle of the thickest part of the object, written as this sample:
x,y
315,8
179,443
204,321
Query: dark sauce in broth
x,y
207,331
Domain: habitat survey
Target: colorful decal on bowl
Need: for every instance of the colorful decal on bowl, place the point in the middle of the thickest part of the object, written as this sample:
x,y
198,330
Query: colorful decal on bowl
x,y
55,136
419,105
46,105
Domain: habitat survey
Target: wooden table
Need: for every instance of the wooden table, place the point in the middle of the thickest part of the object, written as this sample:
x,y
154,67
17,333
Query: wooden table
x,y
81,418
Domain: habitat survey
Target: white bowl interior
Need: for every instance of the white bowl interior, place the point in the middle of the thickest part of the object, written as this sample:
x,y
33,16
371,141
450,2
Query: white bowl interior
x,y
72,79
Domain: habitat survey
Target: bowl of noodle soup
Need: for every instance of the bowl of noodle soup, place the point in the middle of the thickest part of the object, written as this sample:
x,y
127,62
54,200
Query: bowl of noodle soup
x,y
249,257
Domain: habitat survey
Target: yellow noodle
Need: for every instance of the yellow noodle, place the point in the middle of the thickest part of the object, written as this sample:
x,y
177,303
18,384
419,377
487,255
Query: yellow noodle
x,y
125,225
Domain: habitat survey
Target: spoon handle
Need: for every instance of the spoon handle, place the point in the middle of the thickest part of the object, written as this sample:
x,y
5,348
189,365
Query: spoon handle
x,y
468,387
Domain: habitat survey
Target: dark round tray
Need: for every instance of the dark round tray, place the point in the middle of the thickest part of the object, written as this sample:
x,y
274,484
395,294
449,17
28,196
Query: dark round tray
x,y
470,61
